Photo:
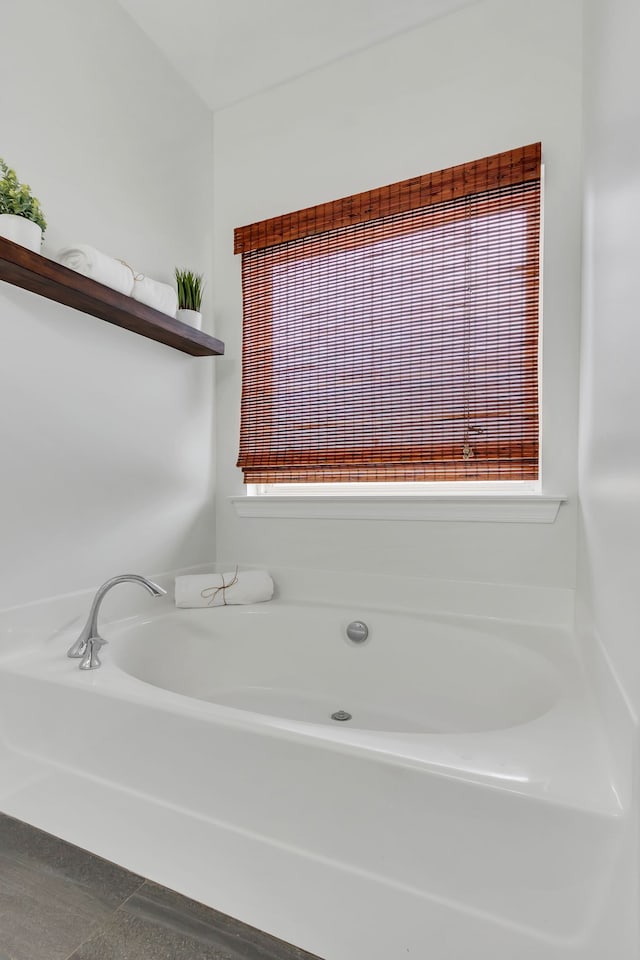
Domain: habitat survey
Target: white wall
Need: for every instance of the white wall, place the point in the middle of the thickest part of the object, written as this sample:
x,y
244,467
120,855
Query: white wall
x,y
105,437
497,75
608,594
609,581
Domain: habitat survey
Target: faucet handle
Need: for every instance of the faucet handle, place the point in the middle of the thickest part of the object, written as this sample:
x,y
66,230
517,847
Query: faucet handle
x,y
79,648
90,659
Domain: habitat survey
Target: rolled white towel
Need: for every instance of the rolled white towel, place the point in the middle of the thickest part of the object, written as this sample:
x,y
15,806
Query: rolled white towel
x,y
90,262
158,295
222,589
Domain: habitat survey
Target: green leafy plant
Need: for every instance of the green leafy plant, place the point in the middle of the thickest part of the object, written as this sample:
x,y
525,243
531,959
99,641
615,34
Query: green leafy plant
x,y
190,286
16,197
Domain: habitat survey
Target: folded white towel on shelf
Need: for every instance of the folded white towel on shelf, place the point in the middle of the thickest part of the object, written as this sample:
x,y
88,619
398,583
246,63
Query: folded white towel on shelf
x,y
222,589
158,295
92,263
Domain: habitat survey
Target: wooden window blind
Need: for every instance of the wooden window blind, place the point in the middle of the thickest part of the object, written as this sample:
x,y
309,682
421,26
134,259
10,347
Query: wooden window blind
x,y
393,335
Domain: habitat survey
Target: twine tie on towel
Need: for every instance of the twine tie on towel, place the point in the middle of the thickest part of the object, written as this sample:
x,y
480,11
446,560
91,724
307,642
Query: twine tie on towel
x,y
210,593
136,276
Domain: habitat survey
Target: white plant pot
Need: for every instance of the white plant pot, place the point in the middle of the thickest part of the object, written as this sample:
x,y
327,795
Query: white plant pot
x,y
20,230
192,317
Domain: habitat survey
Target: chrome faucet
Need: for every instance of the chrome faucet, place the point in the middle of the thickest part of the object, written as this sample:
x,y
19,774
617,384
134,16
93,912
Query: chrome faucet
x,y
89,642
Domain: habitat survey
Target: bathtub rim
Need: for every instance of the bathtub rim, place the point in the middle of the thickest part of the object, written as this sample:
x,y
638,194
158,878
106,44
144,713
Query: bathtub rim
x,y
570,725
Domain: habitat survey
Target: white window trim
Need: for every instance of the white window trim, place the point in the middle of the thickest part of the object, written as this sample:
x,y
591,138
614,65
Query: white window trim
x,y
464,507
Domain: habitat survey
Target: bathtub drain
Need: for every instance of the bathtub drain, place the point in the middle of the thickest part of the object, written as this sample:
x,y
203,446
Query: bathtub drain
x,y
341,715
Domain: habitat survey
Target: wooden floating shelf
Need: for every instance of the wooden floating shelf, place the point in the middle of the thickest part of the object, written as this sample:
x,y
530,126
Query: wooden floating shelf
x,y
49,279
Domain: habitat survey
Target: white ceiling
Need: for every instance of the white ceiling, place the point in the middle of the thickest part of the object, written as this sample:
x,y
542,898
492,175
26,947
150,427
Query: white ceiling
x,y
231,49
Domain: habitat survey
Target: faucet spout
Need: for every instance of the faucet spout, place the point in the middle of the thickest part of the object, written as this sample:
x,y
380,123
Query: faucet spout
x,y
86,641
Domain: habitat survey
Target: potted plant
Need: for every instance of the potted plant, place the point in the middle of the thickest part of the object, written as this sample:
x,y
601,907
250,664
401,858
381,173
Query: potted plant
x,y
190,286
21,218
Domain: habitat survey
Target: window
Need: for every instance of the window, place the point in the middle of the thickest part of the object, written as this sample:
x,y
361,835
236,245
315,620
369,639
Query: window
x,y
392,336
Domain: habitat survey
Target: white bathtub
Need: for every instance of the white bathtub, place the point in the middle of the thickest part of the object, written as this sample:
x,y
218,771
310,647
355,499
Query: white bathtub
x,y
465,809
296,664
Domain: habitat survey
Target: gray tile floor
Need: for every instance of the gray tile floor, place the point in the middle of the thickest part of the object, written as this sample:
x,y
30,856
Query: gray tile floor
x,y
58,902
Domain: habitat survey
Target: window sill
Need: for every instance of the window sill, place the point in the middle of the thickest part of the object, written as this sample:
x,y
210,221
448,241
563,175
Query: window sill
x,y
488,508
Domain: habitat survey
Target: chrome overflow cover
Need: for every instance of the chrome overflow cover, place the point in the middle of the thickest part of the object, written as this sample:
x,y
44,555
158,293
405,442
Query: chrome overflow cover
x,y
341,715
357,631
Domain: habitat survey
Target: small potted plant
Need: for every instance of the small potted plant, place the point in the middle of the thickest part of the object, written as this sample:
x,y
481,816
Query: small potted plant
x,y
190,286
21,218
